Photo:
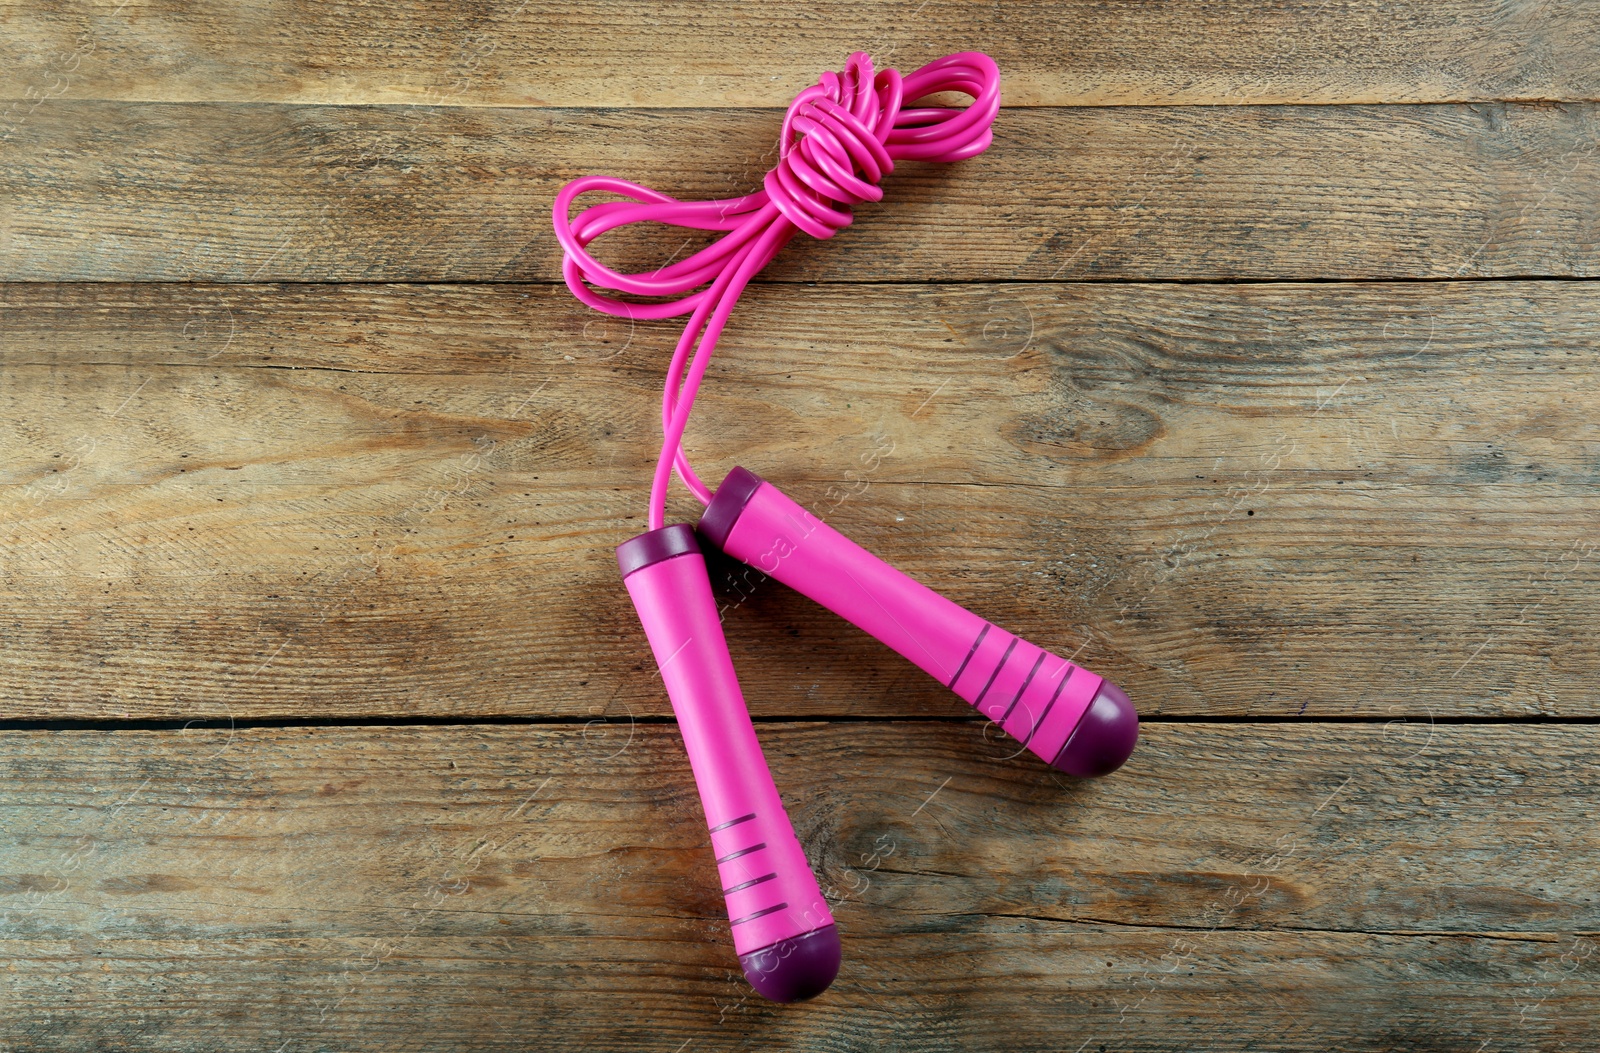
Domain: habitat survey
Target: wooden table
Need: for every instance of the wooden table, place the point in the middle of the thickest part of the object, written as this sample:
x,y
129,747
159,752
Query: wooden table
x,y
1254,364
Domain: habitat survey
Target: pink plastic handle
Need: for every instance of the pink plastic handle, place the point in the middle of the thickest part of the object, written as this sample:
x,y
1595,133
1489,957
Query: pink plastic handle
x,y
782,929
1071,718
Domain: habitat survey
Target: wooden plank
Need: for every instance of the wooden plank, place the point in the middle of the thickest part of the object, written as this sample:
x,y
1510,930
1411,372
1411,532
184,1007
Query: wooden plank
x,y
1322,500
131,191
629,54
406,888
1026,988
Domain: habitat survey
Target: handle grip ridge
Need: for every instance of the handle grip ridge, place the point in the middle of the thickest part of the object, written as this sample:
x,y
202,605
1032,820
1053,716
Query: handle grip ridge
x,y
782,929
1071,718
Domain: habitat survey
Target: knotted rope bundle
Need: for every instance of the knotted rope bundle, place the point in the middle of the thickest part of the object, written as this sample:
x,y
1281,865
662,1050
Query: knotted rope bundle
x,y
840,137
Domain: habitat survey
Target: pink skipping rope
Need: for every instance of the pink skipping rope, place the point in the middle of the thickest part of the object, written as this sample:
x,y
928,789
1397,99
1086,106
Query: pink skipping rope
x,y
839,139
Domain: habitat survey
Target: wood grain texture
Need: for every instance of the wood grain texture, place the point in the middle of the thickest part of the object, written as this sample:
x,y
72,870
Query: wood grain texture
x,y
134,191
1292,888
1252,366
1078,52
1315,500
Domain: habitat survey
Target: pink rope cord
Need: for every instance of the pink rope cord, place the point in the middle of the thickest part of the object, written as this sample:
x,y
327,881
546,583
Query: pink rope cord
x,y
840,137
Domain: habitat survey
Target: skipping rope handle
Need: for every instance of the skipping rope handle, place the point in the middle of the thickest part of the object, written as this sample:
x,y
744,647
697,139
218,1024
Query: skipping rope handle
x,y
1071,718
782,929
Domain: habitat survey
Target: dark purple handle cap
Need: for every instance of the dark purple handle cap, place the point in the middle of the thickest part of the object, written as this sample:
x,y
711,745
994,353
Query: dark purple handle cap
x,y
795,969
716,522
653,546
1105,735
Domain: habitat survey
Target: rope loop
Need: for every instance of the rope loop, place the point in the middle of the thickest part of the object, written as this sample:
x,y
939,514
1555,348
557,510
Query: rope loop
x,y
840,138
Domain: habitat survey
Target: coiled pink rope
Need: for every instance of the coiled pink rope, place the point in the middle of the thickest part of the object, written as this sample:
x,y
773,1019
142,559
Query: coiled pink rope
x,y
840,137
